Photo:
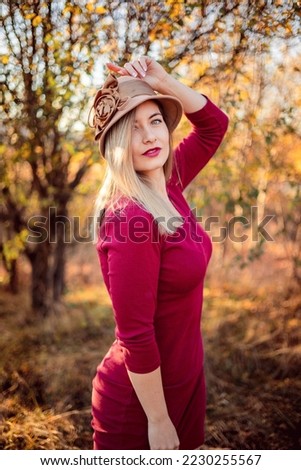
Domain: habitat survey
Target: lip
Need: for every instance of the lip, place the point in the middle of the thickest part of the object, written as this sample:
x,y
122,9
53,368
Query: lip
x,y
154,152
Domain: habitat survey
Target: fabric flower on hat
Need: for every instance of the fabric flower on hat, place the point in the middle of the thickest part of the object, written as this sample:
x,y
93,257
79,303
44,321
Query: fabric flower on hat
x,y
106,103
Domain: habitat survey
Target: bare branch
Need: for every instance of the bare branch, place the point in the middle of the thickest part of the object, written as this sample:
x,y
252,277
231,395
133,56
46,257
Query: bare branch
x,y
80,173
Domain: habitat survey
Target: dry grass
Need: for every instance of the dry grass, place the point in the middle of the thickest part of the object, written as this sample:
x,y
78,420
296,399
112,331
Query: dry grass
x,y
46,371
253,362
253,370
23,428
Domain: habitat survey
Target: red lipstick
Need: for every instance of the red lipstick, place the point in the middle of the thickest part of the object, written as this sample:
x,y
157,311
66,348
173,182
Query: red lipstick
x,y
154,152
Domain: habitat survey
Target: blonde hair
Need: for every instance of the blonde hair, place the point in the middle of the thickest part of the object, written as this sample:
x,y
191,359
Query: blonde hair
x,y
121,180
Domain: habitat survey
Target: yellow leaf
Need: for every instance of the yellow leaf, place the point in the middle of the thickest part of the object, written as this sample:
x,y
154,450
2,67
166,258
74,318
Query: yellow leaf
x,y
293,322
38,149
76,10
30,16
200,68
4,59
69,69
152,35
100,10
294,156
90,7
36,21
66,10
176,11
47,38
244,95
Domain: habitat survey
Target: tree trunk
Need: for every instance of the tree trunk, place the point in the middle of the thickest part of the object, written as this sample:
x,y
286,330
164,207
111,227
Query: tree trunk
x,y
61,227
13,277
48,275
40,288
59,261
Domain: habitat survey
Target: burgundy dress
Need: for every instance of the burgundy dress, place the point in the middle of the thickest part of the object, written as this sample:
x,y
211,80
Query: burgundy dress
x,y
156,287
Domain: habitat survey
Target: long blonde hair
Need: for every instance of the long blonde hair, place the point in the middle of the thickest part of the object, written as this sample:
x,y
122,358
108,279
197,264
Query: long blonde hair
x,y
121,180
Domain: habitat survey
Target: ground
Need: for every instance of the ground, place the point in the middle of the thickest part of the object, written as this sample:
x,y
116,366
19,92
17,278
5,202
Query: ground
x,y
253,361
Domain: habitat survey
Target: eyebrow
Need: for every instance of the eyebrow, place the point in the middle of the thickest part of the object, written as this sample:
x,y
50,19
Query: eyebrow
x,y
157,113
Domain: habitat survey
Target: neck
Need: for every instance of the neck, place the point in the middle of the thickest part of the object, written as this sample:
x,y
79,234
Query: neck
x,y
157,181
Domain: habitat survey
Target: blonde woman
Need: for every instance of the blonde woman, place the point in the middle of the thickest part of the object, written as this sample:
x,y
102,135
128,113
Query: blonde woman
x,y
149,390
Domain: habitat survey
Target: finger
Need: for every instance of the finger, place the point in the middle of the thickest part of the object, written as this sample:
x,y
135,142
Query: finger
x,y
143,63
131,70
139,68
116,68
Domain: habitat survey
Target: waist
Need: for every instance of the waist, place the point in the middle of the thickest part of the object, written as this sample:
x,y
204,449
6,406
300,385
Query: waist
x,y
178,367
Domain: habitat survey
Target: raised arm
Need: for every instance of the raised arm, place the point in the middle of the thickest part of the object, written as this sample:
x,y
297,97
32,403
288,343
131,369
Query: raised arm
x,y
209,125
208,121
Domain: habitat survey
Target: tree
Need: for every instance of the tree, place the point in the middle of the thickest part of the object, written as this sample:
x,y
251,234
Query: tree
x,y
47,56
51,51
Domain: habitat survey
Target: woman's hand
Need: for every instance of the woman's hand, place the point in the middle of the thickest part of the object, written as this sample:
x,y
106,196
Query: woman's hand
x,y
162,435
145,68
153,73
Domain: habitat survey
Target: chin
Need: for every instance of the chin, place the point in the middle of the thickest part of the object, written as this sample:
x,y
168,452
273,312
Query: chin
x,y
154,164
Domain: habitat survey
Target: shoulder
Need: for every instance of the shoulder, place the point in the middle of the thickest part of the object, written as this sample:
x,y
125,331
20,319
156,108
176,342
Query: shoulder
x,y
128,211
131,223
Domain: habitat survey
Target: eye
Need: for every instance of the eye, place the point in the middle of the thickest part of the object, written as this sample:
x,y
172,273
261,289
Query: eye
x,y
156,121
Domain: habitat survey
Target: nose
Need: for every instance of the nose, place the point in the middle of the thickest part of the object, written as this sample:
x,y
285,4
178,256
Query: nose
x,y
148,135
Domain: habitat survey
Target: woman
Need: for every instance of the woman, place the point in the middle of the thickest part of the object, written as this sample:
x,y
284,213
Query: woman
x,y
149,390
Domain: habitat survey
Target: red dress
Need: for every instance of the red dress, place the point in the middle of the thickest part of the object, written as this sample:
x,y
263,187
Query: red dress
x,y
156,288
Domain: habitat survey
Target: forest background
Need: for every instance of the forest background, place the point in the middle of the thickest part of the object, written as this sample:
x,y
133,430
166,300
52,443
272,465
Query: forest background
x,y
55,315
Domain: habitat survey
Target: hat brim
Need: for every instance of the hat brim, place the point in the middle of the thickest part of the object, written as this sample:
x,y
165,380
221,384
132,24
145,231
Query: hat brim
x,y
172,108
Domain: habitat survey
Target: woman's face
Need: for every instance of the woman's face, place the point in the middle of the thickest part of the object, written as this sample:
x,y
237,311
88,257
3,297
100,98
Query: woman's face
x,y
150,138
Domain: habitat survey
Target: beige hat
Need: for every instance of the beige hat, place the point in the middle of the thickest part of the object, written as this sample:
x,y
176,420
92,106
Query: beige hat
x,y
120,95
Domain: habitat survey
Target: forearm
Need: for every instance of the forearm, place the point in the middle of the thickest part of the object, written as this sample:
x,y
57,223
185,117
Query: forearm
x,y
149,390
192,101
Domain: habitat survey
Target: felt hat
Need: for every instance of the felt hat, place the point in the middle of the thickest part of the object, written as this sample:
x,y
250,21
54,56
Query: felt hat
x,y
119,95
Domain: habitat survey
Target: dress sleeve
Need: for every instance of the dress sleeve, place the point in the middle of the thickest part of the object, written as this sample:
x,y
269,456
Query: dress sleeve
x,y
209,125
132,252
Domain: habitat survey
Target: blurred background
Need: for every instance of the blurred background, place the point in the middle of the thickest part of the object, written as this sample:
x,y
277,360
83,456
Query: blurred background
x,y
55,315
